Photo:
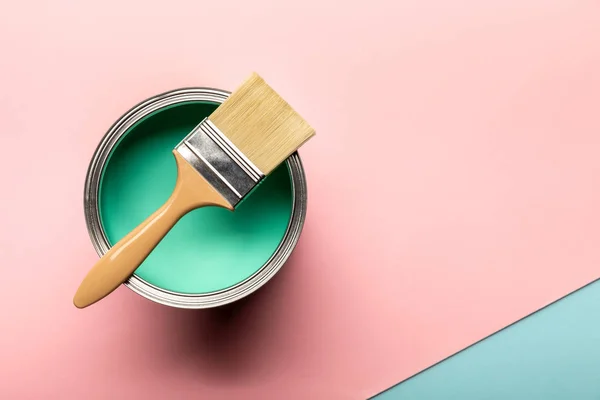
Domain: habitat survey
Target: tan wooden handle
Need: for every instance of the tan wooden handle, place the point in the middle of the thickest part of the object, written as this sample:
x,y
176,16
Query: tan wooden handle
x,y
119,263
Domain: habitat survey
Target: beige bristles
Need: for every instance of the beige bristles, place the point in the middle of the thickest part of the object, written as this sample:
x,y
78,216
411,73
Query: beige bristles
x,y
261,124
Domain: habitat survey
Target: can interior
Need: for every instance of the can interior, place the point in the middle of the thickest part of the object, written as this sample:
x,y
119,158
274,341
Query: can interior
x,y
209,249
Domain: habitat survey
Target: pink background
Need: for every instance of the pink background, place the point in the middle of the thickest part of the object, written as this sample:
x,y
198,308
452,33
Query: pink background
x,y
453,187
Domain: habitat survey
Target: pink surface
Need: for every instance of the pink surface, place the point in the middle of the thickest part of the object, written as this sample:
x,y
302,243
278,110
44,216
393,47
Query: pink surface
x,y
453,188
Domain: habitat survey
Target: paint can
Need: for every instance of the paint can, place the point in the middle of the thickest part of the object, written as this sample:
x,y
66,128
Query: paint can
x,y
100,195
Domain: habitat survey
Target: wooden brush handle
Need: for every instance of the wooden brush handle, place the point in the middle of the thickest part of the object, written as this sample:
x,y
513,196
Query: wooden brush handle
x,y
118,264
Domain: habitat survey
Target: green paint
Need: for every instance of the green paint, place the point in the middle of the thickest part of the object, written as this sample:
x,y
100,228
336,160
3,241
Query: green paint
x,y
210,248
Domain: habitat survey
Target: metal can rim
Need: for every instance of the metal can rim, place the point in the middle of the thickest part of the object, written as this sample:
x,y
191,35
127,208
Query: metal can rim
x,y
180,300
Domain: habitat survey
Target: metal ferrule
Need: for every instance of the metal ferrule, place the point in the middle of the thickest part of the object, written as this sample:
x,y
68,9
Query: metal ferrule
x,y
220,162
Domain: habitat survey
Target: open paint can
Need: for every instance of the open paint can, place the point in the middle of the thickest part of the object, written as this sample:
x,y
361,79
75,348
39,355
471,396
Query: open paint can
x,y
212,256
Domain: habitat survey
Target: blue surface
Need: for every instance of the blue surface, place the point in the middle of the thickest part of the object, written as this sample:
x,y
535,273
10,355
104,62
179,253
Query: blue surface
x,y
550,355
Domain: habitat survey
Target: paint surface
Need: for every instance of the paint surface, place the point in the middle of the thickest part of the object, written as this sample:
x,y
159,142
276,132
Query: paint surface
x,y
210,248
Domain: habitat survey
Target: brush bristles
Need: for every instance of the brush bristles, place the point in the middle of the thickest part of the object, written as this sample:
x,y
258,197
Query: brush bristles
x,y
261,124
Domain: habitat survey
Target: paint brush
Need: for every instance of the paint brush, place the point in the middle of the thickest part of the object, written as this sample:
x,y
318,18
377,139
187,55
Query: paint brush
x,y
218,164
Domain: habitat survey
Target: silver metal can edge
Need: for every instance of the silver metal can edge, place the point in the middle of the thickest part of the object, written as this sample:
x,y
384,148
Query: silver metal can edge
x,y
140,286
